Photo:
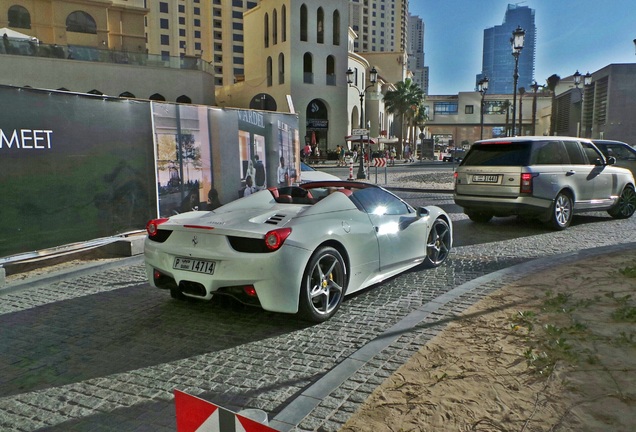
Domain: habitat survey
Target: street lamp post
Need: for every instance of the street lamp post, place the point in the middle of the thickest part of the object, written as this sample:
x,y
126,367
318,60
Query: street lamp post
x,y
373,78
587,80
516,41
483,88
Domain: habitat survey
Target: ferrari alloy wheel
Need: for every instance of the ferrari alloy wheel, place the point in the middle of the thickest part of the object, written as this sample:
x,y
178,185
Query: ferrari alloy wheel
x,y
626,204
438,244
323,285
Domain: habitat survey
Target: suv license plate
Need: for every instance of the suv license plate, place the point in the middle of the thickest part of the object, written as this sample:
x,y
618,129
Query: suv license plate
x,y
485,178
193,265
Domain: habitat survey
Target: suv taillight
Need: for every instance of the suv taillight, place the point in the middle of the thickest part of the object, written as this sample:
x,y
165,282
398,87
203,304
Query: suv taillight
x,y
526,183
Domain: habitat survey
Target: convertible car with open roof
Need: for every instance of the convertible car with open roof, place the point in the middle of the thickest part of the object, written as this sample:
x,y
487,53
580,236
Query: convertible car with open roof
x,y
295,249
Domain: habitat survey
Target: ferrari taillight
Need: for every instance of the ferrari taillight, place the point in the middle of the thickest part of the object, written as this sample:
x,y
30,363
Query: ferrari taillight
x,y
153,226
526,183
274,239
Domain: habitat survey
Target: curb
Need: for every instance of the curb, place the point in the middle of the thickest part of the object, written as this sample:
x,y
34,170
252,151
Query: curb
x,y
77,271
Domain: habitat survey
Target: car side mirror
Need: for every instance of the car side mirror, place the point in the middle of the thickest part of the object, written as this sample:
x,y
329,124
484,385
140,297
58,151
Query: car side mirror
x,y
611,160
422,212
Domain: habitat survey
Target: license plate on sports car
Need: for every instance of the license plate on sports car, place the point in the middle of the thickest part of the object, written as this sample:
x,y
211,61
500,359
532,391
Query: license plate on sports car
x,y
477,178
193,265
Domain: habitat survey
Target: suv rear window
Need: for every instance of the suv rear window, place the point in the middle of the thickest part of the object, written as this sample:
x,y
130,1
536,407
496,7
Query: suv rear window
x,y
498,154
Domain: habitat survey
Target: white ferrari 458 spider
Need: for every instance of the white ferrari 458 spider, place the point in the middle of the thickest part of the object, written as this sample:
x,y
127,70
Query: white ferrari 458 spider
x,y
297,249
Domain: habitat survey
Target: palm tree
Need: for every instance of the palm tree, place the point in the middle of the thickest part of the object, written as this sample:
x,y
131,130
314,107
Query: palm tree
x,y
418,121
505,108
406,95
553,81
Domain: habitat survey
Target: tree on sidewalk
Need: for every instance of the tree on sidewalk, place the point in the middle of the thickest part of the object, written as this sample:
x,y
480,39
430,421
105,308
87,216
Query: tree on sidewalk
x,y
403,102
553,81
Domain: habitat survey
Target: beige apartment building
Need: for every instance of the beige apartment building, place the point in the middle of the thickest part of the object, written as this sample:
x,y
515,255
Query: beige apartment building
x,y
297,61
94,47
210,30
456,120
380,25
117,24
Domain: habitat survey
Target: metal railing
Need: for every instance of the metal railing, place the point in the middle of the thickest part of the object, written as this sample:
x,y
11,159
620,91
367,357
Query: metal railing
x,y
33,48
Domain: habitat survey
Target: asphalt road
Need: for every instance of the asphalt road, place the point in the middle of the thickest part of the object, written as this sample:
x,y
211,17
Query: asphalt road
x,y
104,351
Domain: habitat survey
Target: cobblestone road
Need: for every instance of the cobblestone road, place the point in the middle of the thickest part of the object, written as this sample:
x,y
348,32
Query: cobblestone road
x,y
104,351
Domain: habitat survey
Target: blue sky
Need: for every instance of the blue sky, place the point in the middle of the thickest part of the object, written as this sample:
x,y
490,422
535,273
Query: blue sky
x,y
585,34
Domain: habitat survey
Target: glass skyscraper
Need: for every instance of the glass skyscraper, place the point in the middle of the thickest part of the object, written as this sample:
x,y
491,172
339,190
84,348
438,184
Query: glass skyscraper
x,y
498,62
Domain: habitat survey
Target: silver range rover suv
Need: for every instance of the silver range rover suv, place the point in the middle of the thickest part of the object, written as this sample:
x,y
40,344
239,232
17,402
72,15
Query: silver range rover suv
x,y
549,178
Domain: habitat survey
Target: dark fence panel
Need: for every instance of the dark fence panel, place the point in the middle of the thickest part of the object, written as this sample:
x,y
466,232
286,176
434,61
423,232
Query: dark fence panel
x,y
73,168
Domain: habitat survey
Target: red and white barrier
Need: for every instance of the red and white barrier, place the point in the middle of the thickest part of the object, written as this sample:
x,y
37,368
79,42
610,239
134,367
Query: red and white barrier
x,y
197,415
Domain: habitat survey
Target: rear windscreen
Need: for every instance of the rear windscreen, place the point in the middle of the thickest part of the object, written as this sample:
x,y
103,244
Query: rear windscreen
x,y
498,154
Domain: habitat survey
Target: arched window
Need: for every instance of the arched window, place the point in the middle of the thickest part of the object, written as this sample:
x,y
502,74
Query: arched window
x,y
263,102
184,99
336,28
127,95
19,17
320,26
281,68
266,30
283,24
308,69
81,22
303,23
157,97
274,27
331,70
269,71
95,92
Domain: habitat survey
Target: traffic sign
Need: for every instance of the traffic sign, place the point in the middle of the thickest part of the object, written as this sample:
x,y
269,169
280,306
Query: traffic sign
x,y
197,415
360,132
379,162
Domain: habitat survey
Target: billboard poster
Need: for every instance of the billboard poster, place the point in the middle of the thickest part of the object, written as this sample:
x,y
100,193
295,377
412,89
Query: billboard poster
x,y
288,171
74,168
269,150
184,161
248,146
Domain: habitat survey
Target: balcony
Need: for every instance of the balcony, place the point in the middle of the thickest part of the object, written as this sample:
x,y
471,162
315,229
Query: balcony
x,y
32,48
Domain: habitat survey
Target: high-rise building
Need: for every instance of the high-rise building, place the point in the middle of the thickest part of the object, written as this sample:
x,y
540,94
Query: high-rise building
x,y
381,25
416,52
208,29
498,62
